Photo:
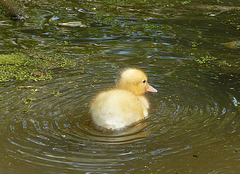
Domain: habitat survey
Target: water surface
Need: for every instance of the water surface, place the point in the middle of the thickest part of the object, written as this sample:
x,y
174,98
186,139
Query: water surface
x,y
194,119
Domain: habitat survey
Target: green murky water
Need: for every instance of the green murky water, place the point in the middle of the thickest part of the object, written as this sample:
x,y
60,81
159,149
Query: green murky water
x,y
194,123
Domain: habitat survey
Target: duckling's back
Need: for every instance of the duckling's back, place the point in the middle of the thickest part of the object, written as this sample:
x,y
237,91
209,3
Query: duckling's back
x,y
116,108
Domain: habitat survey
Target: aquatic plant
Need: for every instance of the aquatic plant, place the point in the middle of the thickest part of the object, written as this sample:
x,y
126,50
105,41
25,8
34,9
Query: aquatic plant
x,y
34,66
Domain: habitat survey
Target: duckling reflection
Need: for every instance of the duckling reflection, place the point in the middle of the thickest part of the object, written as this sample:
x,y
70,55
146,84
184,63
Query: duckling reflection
x,y
124,105
136,132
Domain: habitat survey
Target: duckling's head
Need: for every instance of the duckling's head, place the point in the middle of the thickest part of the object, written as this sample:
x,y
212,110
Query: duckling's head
x,y
135,81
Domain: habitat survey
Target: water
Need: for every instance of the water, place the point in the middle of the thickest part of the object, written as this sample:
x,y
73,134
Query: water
x,y
194,119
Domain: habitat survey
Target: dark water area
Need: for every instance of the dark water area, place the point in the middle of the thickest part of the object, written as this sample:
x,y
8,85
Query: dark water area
x,y
194,123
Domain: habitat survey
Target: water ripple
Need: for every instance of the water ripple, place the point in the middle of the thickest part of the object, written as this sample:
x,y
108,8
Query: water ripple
x,y
52,127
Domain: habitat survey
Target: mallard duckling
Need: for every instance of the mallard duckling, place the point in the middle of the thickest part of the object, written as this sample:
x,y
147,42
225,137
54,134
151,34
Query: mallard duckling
x,y
124,105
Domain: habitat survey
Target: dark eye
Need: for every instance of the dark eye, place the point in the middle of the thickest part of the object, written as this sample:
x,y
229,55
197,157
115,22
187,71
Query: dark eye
x,y
144,81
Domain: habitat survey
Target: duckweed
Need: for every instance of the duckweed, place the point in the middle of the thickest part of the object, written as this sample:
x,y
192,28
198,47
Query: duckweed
x,y
18,66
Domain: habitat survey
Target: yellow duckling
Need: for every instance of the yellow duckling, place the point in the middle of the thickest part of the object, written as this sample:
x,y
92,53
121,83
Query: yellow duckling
x,y
124,105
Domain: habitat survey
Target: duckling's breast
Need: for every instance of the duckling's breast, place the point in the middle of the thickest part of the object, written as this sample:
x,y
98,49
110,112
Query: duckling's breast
x,y
115,109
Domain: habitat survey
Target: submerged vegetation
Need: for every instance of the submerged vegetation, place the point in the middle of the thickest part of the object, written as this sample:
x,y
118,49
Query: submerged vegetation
x,y
187,27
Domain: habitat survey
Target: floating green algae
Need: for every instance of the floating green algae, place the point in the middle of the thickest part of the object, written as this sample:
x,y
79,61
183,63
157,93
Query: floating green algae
x,y
34,66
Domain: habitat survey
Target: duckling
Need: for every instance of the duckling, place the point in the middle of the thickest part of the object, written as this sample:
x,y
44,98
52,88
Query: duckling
x,y
123,105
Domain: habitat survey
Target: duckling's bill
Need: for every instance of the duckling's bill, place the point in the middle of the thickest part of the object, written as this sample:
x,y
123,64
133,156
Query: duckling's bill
x,y
151,89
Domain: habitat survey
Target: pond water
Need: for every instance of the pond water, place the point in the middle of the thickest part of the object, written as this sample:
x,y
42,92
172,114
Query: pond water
x,y
194,123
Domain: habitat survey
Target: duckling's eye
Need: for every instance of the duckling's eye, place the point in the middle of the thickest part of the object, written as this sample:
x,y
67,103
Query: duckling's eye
x,y
144,81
